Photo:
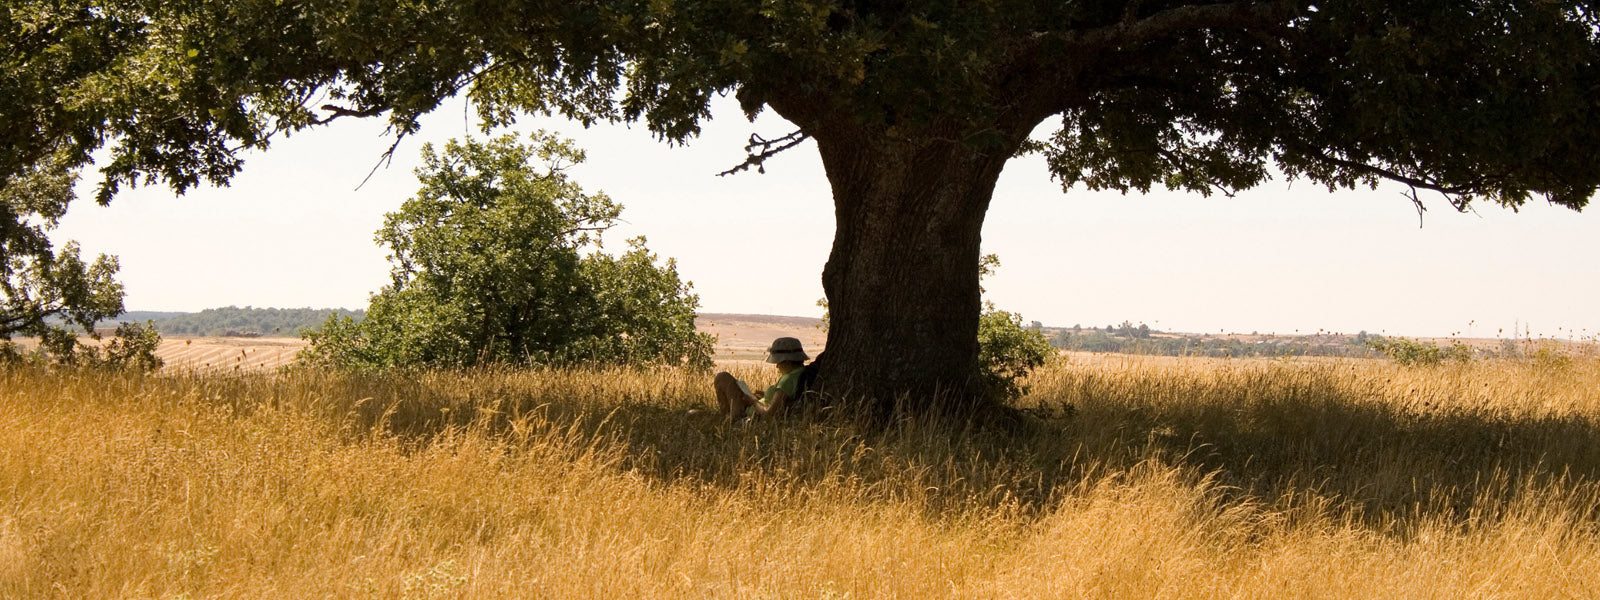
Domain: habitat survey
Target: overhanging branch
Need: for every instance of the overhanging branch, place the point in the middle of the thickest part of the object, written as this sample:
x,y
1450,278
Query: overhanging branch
x,y
1455,194
1458,195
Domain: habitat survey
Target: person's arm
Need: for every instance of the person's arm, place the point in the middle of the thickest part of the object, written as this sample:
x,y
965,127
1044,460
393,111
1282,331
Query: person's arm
x,y
776,402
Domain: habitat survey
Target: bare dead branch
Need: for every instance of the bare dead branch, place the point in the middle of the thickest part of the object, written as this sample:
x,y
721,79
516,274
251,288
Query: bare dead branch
x,y
1411,194
760,149
336,112
383,161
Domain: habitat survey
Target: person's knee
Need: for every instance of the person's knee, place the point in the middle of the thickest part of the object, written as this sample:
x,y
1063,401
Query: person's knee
x,y
723,378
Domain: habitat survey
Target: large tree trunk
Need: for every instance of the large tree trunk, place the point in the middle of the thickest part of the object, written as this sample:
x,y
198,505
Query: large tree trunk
x,y
902,280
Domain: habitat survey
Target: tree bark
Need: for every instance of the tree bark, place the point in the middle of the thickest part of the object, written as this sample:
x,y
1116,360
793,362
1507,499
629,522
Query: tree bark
x,y
902,279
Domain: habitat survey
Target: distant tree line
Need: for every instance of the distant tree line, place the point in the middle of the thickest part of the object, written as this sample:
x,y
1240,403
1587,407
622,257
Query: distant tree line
x,y
251,322
1128,338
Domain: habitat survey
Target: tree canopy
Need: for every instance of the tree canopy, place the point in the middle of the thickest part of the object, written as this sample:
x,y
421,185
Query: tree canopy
x,y
915,106
1474,99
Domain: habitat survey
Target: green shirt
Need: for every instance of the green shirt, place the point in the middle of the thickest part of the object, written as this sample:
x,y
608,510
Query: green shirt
x,y
788,383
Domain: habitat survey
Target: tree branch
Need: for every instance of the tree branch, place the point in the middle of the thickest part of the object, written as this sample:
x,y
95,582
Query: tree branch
x,y
21,319
760,149
1411,194
385,160
1454,194
1073,60
340,111
1172,21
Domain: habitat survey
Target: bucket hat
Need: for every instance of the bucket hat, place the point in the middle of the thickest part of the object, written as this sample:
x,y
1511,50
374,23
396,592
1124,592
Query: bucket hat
x,y
786,349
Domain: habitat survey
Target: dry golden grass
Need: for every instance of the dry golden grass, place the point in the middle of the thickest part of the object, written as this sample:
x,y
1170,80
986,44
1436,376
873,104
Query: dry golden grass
x,y
1130,479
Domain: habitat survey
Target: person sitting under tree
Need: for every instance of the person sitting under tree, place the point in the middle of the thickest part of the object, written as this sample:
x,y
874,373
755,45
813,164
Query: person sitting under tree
x,y
734,398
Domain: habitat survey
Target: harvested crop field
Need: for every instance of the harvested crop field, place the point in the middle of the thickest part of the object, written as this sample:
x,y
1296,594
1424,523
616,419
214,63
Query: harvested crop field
x,y
228,354
740,338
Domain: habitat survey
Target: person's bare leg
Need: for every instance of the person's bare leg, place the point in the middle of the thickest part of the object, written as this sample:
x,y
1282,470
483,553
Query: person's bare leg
x,y
730,399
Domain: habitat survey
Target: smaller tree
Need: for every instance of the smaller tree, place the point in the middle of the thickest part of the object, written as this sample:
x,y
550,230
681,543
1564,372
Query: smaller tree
x,y
50,295
497,261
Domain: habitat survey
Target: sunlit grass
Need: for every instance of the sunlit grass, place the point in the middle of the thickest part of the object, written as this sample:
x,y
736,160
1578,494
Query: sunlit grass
x,y
1126,478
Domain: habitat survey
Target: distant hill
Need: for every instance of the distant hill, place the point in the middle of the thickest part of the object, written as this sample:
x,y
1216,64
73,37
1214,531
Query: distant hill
x,y
240,322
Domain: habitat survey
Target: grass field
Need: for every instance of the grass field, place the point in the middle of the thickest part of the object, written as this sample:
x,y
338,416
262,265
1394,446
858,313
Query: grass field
x,y
1132,478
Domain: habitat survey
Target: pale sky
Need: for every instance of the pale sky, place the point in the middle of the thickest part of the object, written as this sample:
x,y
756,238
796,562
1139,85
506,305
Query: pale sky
x,y
292,230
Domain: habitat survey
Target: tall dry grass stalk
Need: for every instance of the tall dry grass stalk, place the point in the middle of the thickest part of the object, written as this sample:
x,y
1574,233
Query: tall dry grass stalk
x,y
1128,478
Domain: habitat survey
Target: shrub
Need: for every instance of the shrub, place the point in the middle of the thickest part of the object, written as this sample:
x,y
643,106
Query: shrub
x,y
1007,351
1411,352
1550,356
